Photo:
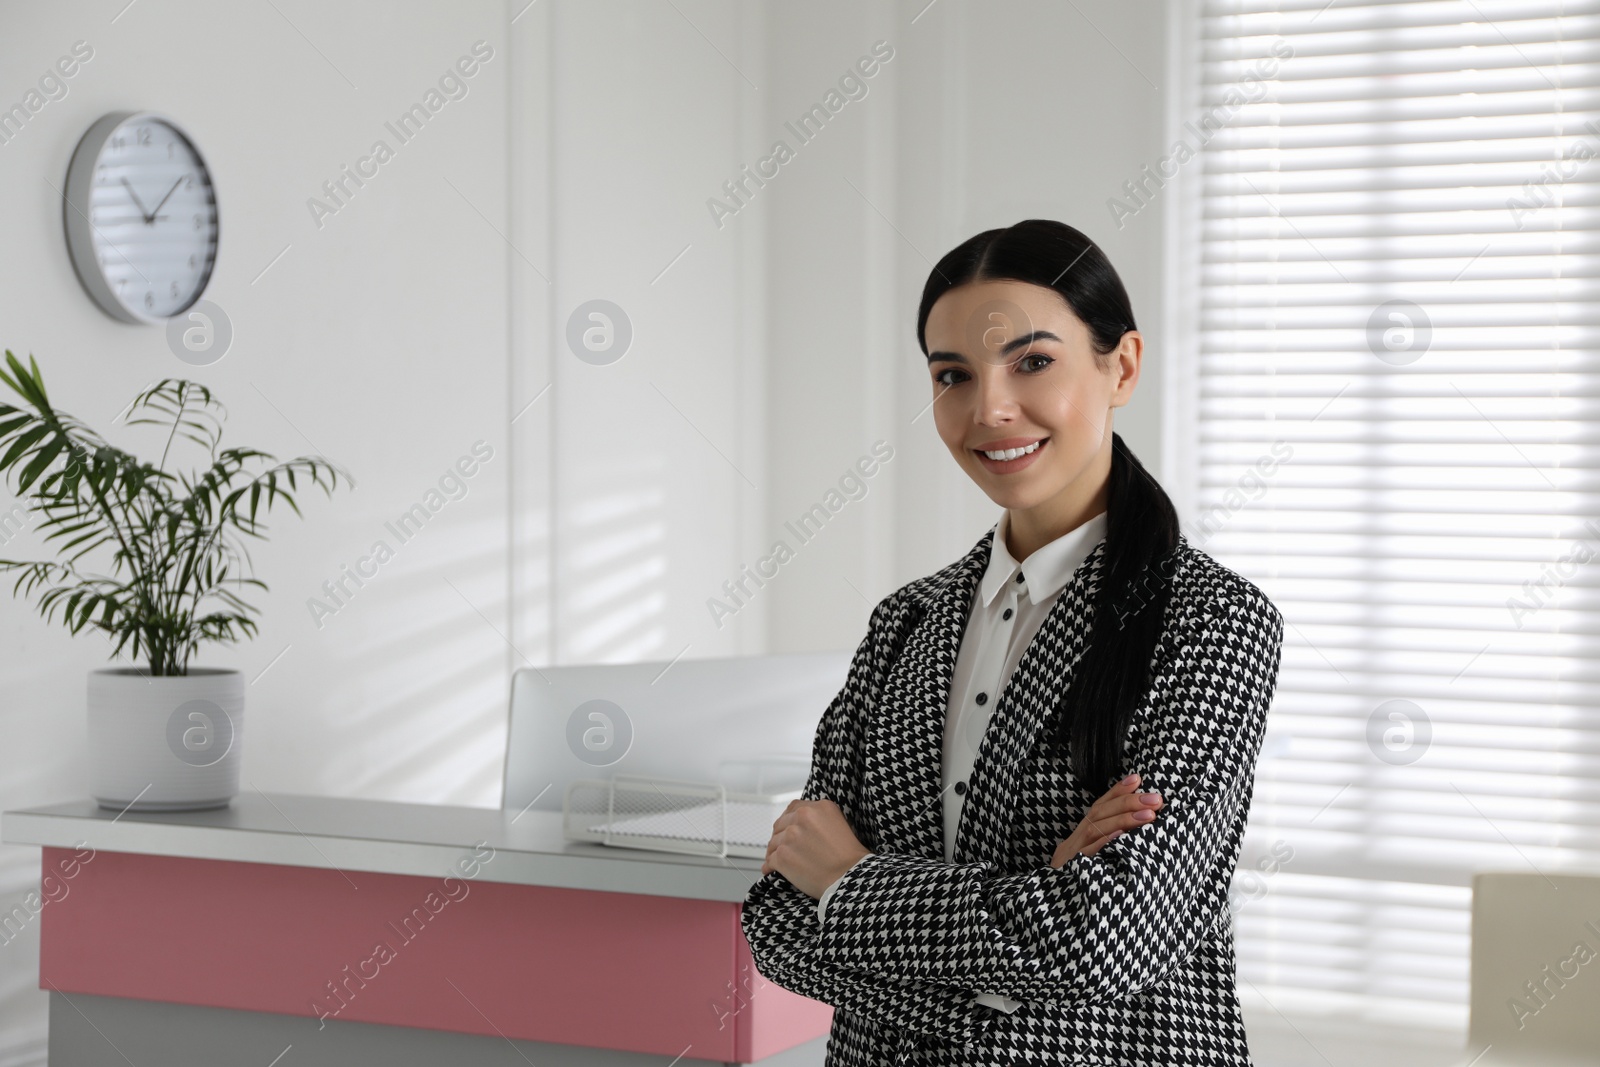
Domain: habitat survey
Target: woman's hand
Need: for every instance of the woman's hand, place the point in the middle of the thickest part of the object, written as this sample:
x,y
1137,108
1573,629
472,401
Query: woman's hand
x,y
1120,810
812,845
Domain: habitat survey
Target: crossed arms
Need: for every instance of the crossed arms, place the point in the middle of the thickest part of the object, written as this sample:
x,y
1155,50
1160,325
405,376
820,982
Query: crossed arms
x,y
909,939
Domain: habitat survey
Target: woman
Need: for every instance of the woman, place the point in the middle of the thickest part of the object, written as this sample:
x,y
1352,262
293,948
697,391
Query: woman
x,y
973,875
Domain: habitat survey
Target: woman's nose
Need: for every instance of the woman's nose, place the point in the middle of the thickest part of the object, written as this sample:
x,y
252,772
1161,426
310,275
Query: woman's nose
x,y
996,398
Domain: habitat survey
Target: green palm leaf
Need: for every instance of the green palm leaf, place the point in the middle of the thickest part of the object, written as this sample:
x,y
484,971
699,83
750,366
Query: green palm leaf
x,y
167,540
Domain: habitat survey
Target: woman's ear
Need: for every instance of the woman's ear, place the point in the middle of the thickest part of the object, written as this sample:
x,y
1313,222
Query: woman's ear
x,y
1126,362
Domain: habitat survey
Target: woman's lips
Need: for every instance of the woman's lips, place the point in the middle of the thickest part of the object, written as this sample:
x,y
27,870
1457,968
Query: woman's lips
x,y
1011,466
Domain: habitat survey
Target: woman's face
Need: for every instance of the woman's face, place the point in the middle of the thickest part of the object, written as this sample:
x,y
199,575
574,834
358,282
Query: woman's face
x,y
1012,367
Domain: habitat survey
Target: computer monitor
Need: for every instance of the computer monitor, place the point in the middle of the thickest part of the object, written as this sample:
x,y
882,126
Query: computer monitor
x,y
746,722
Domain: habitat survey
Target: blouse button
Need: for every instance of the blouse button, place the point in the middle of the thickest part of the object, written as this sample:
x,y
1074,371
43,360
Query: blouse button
x,y
1019,577
1007,614
982,698
961,787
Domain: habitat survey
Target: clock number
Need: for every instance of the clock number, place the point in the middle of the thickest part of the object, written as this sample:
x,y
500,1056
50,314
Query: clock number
x,y
144,135
191,261
174,290
149,299
197,222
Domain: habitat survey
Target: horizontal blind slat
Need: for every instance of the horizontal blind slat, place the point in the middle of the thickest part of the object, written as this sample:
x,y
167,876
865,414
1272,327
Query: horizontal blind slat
x,y
1414,512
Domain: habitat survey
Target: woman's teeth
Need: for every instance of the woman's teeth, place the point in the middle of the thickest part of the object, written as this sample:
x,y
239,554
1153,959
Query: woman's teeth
x,y
1013,453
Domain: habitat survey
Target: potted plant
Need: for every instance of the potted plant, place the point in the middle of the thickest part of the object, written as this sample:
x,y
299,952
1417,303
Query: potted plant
x,y
164,735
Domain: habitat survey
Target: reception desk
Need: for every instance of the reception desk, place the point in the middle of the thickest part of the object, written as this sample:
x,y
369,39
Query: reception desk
x,y
312,930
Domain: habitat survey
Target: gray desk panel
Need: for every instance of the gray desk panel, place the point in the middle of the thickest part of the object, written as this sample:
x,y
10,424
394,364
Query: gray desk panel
x,y
94,1031
384,836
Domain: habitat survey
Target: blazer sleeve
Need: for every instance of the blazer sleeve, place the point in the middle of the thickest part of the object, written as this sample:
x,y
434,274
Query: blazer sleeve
x,y
780,921
1109,925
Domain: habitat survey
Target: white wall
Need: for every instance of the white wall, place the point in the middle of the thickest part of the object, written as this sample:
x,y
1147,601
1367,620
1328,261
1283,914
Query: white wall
x,y
769,353
659,461
378,340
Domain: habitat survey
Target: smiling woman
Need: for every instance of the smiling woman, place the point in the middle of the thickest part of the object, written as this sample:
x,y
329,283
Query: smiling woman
x,y
972,874
1022,383
1031,342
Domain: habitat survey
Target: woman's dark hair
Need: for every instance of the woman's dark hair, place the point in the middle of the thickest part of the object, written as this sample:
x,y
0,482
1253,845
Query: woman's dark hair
x,y
1113,674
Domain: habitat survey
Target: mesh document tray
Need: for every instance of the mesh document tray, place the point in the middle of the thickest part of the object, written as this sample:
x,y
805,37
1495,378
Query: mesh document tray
x,y
666,815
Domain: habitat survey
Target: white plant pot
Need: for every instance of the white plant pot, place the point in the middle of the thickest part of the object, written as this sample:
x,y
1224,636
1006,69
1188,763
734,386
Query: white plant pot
x,y
165,744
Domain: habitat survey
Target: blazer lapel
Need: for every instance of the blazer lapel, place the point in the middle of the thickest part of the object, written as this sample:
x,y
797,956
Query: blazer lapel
x,y
1026,702
905,743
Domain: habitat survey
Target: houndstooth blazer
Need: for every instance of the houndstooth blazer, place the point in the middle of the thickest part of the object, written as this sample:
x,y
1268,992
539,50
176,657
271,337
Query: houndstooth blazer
x,y
1125,957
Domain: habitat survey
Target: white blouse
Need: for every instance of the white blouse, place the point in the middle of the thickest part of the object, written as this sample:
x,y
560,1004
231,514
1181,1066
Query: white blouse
x,y
1008,608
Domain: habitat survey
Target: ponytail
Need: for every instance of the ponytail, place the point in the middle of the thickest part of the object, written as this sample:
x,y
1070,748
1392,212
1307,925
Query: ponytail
x,y
1113,674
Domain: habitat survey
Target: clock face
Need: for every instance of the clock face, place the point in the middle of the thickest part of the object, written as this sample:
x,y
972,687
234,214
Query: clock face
x,y
141,217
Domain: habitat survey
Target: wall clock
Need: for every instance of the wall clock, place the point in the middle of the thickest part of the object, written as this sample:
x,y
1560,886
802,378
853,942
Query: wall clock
x,y
140,216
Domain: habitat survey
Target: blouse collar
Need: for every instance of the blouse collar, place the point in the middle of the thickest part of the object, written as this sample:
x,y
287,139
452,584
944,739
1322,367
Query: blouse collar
x,y
1047,568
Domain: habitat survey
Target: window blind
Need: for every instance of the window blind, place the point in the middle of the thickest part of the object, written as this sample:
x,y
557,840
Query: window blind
x,y
1391,246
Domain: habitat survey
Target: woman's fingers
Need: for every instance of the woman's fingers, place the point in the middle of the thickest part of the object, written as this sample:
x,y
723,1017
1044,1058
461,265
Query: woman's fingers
x,y
1123,793
1115,814
1122,813
1108,807
1124,787
1122,799
1120,809
778,826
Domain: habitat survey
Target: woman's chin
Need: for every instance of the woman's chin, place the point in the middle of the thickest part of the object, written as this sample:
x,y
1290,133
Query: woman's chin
x,y
1014,498
1022,494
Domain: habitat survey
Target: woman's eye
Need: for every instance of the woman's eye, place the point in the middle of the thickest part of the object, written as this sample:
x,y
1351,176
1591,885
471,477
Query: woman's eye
x,y
1047,360
939,378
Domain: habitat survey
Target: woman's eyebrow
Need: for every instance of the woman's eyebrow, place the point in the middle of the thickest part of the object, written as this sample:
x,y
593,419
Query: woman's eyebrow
x,y
1005,349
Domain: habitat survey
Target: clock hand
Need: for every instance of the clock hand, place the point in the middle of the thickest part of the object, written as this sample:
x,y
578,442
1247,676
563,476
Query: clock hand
x,y
135,196
164,200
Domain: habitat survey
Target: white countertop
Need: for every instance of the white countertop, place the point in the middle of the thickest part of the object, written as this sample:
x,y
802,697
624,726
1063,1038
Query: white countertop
x,y
384,836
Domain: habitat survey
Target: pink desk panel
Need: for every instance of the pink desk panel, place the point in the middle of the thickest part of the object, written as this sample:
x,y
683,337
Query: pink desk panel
x,y
623,971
